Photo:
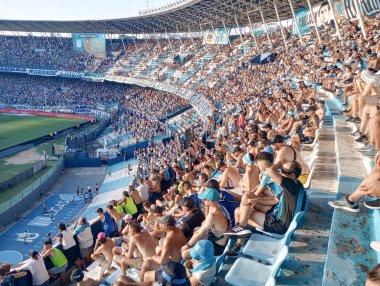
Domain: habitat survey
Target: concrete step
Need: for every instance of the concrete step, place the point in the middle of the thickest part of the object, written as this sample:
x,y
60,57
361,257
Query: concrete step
x,y
348,257
307,252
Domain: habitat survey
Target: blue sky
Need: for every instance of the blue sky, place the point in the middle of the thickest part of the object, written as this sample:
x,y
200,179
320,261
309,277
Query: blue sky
x,y
74,9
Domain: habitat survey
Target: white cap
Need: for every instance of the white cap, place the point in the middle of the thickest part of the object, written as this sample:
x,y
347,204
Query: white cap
x,y
127,216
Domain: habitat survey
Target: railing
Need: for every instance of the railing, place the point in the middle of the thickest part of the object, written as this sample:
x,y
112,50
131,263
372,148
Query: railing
x,y
4,206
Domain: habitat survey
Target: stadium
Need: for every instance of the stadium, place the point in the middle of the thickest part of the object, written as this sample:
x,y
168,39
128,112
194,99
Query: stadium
x,y
201,142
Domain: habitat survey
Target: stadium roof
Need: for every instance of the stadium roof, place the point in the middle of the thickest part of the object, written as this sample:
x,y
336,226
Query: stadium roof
x,y
189,14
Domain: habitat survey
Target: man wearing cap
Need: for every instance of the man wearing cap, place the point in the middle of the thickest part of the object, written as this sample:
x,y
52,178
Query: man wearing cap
x,y
216,223
103,251
201,269
171,247
192,217
287,153
141,242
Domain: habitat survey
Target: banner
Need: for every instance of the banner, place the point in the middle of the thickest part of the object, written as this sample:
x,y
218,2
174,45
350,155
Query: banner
x,y
343,9
42,72
219,37
12,69
70,74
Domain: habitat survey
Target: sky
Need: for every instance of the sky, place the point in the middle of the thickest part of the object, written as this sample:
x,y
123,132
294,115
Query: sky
x,y
74,9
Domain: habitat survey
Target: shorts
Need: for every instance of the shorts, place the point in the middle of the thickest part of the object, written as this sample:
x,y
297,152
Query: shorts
x,y
218,249
306,139
71,254
85,252
272,225
135,262
303,178
57,270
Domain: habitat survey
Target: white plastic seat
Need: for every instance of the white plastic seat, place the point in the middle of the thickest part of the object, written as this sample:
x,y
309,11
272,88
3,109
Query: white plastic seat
x,y
312,165
248,272
266,248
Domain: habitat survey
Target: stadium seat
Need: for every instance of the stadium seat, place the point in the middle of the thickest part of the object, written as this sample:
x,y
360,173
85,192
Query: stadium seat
x,y
297,218
249,272
311,165
266,248
221,258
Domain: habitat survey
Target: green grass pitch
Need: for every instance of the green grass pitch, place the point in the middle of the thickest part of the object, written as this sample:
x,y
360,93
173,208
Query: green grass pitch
x,y
16,129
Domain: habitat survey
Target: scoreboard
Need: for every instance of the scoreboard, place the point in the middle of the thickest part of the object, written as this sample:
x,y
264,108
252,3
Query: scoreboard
x,y
91,43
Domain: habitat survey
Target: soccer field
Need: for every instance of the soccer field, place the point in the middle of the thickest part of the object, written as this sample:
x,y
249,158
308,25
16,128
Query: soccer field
x,y
16,129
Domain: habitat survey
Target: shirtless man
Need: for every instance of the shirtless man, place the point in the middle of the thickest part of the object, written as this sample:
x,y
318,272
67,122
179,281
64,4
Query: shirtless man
x,y
216,223
370,98
248,181
103,251
286,153
171,247
142,242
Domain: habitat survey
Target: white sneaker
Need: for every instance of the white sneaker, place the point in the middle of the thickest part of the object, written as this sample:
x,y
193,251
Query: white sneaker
x,y
375,245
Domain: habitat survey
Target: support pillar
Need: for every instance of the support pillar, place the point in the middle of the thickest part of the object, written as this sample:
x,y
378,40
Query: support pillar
x,y
360,18
281,28
296,23
266,29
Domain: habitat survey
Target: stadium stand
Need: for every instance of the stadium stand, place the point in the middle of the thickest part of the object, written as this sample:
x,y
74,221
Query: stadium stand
x,y
278,161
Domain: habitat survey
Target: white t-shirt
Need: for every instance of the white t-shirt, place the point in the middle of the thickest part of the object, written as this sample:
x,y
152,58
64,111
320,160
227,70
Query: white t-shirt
x,y
67,239
85,238
144,192
38,270
206,277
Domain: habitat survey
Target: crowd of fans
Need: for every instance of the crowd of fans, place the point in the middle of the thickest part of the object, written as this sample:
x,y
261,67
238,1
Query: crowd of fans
x,y
250,171
48,91
44,52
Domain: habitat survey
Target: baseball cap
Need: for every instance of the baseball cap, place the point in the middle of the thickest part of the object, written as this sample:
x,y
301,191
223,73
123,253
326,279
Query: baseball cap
x,y
268,125
291,113
127,216
268,149
278,139
203,251
248,159
167,219
76,275
101,235
209,194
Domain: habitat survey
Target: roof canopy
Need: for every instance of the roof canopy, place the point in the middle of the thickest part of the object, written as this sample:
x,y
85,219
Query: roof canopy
x,y
191,14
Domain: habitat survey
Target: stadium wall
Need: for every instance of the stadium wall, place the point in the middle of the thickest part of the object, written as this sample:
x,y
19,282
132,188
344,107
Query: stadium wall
x,y
23,176
14,211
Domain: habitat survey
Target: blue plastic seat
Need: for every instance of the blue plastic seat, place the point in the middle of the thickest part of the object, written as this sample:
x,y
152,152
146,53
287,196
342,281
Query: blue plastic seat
x,y
249,272
266,248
